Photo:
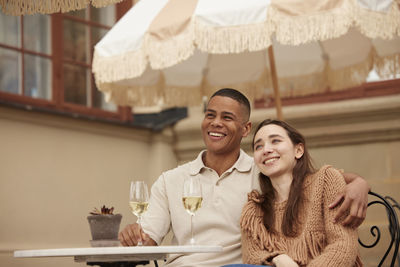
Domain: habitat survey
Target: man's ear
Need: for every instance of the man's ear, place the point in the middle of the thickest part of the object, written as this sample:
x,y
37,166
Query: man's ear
x,y
299,151
246,129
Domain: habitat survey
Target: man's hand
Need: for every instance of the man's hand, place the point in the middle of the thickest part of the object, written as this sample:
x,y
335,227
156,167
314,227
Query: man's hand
x,y
355,200
284,260
132,234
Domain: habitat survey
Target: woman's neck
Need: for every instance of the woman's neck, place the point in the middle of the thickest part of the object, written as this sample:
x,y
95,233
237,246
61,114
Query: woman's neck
x,y
282,185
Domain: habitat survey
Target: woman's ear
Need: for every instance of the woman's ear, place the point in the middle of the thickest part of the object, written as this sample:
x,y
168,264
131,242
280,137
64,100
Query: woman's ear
x,y
299,151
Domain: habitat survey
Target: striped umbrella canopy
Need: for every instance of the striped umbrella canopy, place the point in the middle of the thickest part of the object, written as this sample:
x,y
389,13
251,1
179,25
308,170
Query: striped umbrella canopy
x,y
174,52
29,7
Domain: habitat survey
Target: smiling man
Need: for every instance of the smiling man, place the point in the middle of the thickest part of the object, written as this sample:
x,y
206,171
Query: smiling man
x,y
227,174
225,123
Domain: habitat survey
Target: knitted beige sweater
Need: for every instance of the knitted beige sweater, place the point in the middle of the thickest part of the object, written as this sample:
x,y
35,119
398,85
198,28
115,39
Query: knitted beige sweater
x,y
320,242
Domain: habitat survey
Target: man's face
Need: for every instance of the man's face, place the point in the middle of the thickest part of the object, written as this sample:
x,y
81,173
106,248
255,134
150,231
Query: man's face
x,y
224,125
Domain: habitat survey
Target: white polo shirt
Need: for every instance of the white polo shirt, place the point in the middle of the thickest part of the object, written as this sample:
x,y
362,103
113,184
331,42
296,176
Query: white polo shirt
x,y
215,223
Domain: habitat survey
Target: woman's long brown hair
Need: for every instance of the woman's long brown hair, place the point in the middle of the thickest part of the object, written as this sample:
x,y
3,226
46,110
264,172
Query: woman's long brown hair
x,y
303,167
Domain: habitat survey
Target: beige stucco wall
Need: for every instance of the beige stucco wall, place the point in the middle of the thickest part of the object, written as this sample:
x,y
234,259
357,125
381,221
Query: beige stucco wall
x,y
53,169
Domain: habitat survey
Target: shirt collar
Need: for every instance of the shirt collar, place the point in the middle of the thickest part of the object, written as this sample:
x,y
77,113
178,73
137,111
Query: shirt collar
x,y
243,164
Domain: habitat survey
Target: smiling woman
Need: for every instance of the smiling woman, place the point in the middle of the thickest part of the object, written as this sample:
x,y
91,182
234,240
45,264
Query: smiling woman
x,y
274,153
296,227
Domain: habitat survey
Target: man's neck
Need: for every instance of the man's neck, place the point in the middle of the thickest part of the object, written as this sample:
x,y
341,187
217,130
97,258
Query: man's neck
x,y
220,162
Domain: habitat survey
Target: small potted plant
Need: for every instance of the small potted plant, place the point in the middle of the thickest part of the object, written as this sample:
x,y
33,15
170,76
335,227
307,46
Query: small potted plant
x,y
104,227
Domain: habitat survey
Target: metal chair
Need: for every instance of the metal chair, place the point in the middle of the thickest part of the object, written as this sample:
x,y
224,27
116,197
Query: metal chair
x,y
394,228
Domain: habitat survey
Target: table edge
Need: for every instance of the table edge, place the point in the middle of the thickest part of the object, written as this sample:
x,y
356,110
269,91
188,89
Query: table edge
x,y
93,251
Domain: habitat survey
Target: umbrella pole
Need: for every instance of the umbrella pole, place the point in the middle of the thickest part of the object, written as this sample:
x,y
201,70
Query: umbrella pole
x,y
277,95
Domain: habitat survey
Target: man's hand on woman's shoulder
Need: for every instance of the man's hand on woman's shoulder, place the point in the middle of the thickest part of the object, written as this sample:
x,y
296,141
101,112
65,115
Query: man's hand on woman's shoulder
x,y
355,200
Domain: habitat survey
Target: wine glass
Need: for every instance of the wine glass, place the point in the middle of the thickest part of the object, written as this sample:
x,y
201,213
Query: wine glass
x,y
192,199
138,200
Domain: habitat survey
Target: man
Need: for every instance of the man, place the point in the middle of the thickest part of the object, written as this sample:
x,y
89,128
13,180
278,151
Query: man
x,y
227,174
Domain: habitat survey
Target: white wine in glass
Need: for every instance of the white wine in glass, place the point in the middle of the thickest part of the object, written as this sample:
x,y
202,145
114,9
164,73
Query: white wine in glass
x,y
138,200
192,204
192,199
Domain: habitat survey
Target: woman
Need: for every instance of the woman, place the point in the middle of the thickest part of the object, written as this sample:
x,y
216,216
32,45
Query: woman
x,y
289,222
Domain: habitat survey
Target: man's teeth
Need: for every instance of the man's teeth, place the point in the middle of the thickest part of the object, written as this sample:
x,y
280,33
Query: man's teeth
x,y
216,134
270,160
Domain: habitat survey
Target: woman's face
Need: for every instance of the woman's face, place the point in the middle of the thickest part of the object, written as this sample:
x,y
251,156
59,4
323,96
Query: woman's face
x,y
274,152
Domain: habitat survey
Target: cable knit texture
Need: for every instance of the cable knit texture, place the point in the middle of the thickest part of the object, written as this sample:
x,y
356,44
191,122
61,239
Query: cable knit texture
x,y
320,242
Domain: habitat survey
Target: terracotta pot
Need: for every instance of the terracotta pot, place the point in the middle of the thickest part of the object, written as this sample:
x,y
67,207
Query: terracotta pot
x,y
104,227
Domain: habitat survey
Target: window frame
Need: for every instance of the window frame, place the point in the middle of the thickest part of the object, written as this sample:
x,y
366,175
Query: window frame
x,y
57,103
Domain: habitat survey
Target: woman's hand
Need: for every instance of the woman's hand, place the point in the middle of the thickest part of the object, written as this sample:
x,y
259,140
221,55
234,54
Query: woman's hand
x,y
284,260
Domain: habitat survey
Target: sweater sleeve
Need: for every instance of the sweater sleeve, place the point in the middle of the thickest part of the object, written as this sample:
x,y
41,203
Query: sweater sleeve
x,y
342,246
253,234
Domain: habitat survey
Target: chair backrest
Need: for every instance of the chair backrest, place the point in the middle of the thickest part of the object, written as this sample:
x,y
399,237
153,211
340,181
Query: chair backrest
x,y
394,228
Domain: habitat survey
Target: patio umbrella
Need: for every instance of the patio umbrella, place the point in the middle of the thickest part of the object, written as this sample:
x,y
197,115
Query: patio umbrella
x,y
174,52
28,7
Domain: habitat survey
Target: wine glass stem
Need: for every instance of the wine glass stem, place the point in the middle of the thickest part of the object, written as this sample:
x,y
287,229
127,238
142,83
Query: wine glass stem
x,y
140,226
191,228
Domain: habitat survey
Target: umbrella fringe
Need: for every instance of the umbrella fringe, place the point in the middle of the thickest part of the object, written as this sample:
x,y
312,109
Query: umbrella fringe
x,y
350,76
301,29
162,94
182,96
340,79
314,83
166,53
232,39
387,66
118,67
158,94
125,95
374,24
328,79
27,7
103,3
251,89
295,30
161,54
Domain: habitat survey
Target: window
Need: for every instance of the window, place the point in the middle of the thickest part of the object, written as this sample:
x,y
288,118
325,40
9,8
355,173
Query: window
x,y
45,60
